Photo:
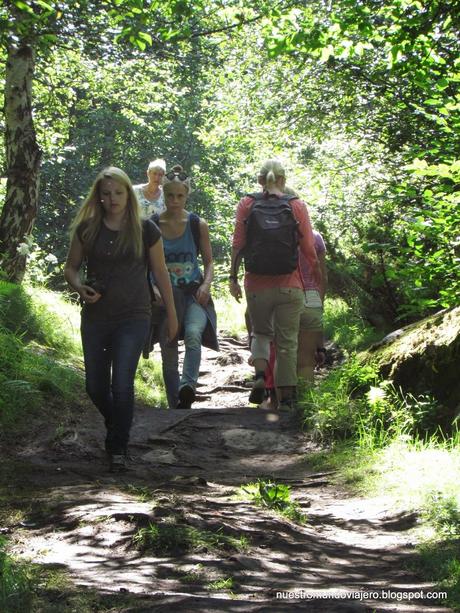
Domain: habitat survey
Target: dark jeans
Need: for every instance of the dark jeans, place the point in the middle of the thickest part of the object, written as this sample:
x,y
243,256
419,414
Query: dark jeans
x,y
112,351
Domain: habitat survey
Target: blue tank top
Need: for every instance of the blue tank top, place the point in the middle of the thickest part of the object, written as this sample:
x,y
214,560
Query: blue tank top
x,y
181,258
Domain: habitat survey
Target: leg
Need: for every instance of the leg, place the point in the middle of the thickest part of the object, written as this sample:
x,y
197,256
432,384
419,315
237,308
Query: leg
x,y
260,307
128,341
195,322
310,332
170,365
287,315
96,341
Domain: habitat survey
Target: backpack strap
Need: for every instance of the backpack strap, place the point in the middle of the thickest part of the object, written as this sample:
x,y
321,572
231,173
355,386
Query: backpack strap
x,y
263,196
194,226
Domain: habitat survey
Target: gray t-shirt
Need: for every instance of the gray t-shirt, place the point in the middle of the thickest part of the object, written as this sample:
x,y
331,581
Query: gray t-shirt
x,y
126,292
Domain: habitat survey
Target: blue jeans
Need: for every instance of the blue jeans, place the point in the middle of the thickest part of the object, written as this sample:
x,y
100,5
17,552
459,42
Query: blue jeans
x,y
195,321
111,351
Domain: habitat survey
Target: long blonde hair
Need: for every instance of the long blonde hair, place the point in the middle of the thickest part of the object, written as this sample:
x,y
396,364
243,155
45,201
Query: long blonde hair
x,y
270,171
130,236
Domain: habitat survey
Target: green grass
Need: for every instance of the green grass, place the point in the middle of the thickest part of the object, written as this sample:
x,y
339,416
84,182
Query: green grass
x,y
15,583
273,496
220,585
41,358
344,325
172,538
230,315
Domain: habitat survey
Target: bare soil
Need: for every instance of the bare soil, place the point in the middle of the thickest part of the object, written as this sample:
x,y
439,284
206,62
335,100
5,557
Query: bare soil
x,y
187,466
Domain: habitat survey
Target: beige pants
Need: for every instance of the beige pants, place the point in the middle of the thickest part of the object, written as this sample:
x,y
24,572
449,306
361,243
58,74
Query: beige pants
x,y
275,315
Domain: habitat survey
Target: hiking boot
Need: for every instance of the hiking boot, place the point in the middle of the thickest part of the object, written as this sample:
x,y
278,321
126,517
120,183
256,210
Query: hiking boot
x,y
288,405
117,462
258,391
186,397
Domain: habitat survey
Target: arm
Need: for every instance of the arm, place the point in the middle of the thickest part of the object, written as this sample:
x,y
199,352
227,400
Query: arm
x,y
158,267
239,240
203,293
72,267
323,270
307,242
320,351
234,286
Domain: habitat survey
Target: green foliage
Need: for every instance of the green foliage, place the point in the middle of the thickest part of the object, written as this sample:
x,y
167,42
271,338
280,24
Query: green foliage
x,y
429,261
333,410
439,562
221,584
354,402
15,583
344,324
172,538
149,383
368,138
274,496
33,338
442,511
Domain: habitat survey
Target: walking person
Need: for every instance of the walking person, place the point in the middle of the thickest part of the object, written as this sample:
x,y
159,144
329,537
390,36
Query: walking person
x,y
311,349
117,248
270,228
185,237
150,194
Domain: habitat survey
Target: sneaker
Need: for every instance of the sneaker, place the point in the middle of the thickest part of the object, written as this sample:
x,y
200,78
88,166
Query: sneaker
x,y
258,391
117,462
186,397
289,405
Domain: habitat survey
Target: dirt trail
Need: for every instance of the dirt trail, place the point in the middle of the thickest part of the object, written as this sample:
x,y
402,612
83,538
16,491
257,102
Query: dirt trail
x,y
188,465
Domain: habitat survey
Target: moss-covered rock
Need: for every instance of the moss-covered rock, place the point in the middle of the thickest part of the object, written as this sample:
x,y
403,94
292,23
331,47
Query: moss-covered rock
x,y
424,357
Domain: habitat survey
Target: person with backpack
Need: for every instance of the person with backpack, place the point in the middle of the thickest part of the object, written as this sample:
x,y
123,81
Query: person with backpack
x,y
270,229
117,247
185,237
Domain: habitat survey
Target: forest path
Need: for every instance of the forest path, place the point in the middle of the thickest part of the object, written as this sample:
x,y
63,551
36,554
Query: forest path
x,y
187,468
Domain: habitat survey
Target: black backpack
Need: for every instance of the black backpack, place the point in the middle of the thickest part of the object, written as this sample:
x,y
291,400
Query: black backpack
x,y
272,236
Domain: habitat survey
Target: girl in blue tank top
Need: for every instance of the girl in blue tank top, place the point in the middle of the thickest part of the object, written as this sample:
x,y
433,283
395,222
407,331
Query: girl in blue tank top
x,y
195,311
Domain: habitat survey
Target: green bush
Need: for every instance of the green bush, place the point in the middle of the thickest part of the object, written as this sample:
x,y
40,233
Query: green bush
x,y
15,583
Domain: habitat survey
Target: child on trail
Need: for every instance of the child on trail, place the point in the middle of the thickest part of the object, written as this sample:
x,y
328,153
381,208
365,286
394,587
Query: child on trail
x,y
185,235
275,298
118,248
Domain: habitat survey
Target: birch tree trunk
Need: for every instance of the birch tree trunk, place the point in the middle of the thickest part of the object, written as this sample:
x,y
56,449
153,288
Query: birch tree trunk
x,y
23,156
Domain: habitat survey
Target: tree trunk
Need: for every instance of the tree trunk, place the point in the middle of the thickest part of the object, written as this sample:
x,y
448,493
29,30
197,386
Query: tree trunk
x,y
23,156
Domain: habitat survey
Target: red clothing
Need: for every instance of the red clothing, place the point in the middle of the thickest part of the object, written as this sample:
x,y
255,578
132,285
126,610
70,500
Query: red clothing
x,y
253,282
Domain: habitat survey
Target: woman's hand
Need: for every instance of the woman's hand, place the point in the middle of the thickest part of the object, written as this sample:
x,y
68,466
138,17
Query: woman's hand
x,y
158,297
88,294
235,290
203,294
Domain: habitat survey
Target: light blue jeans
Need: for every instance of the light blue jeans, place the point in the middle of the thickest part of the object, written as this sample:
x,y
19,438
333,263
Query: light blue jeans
x,y
195,320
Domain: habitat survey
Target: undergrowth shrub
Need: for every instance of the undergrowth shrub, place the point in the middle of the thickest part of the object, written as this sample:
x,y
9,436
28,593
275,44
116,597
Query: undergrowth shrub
x,y
354,402
345,326
15,583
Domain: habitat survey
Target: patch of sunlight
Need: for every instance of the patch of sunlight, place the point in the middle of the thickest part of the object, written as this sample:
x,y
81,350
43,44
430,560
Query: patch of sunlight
x,y
56,312
409,471
230,315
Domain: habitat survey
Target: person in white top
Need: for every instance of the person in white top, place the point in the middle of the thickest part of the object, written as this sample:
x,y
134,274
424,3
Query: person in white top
x,y
150,195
